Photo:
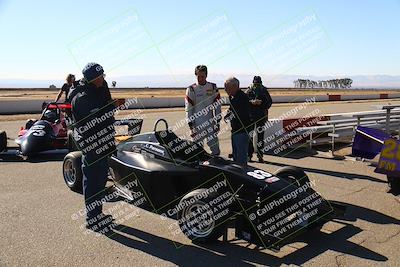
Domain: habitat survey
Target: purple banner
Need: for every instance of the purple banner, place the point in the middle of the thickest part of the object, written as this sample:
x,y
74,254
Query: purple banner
x,y
368,142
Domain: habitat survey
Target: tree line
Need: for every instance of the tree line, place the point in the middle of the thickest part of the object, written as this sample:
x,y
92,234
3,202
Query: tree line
x,y
334,83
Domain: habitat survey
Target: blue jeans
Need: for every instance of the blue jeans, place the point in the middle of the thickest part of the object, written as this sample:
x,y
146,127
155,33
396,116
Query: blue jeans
x,y
95,177
240,146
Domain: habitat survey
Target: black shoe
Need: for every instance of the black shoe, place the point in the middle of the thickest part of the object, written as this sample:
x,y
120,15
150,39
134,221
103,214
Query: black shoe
x,y
249,159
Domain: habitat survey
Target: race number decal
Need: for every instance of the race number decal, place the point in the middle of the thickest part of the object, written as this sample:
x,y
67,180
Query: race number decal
x,y
389,161
259,174
37,130
389,148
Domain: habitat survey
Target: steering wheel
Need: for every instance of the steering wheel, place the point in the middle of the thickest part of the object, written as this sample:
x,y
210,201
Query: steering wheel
x,y
157,122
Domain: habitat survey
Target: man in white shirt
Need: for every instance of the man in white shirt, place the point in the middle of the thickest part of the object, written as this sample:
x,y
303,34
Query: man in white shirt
x,y
203,110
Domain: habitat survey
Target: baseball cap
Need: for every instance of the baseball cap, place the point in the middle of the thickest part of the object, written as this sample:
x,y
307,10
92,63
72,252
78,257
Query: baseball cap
x,y
92,71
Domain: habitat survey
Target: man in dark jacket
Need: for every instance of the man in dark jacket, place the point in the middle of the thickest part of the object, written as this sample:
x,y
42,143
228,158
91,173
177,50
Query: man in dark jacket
x,y
238,114
94,134
260,101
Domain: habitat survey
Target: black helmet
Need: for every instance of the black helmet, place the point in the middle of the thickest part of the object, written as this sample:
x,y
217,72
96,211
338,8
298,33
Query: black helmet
x,y
50,115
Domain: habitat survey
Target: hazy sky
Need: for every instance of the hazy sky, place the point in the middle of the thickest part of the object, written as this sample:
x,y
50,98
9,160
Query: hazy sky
x,y
47,39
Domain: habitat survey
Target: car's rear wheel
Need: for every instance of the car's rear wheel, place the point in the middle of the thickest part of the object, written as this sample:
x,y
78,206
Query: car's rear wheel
x,y
201,221
3,141
293,175
72,171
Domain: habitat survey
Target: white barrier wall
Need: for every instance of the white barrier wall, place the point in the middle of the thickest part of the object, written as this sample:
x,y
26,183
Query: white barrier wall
x,y
21,106
34,106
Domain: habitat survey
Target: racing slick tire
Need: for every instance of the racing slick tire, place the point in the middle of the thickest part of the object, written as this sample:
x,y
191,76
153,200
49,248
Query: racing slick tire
x,y
293,175
202,222
71,145
72,171
3,141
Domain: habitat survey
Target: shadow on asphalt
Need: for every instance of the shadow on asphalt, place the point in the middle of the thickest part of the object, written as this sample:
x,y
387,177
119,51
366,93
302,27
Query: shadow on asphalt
x,y
230,253
12,156
354,212
350,176
304,152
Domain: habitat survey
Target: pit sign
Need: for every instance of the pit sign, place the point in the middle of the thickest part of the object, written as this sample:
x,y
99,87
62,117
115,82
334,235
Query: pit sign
x,y
389,161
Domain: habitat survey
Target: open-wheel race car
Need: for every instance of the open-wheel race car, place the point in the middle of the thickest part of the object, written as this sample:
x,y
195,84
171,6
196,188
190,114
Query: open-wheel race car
x,y
176,178
53,130
47,133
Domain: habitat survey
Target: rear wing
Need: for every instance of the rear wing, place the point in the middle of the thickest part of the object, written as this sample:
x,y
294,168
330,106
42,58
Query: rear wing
x,y
134,126
54,105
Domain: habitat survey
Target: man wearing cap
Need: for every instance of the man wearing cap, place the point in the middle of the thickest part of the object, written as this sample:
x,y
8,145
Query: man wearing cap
x,y
260,101
93,113
203,110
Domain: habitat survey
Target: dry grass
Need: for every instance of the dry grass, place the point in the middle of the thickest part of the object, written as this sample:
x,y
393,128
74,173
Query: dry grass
x,y
37,93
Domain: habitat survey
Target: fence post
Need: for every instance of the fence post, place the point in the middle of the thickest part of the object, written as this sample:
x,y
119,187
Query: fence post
x,y
387,119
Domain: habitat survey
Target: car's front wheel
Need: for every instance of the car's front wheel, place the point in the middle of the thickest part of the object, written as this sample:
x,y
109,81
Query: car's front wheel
x,y
72,171
203,216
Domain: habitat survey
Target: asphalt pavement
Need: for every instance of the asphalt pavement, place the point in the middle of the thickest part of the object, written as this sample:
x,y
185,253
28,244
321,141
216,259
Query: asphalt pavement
x,y
40,222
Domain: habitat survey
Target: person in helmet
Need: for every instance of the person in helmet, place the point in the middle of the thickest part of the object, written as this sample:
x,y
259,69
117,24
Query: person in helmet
x,y
203,110
93,113
50,116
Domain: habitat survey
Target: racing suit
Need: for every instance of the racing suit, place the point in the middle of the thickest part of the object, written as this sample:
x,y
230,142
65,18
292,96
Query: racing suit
x,y
91,104
203,114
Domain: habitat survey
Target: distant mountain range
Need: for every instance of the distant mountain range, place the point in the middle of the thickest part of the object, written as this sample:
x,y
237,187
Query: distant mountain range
x,y
359,81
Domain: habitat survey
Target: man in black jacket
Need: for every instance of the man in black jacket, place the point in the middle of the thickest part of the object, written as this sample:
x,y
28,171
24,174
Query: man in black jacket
x,y
238,114
260,101
94,134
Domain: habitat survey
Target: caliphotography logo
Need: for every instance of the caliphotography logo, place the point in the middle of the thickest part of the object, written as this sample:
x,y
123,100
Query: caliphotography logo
x,y
183,133
206,40
113,42
289,44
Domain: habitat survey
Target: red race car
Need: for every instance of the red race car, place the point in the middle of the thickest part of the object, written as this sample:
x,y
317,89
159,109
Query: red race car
x,y
48,133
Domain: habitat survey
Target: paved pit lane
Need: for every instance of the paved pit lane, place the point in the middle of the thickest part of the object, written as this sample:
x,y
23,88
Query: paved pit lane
x,y
40,221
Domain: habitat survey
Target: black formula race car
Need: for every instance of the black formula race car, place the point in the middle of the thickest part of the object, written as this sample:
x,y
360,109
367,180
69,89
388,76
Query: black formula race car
x,y
176,178
48,133
54,130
